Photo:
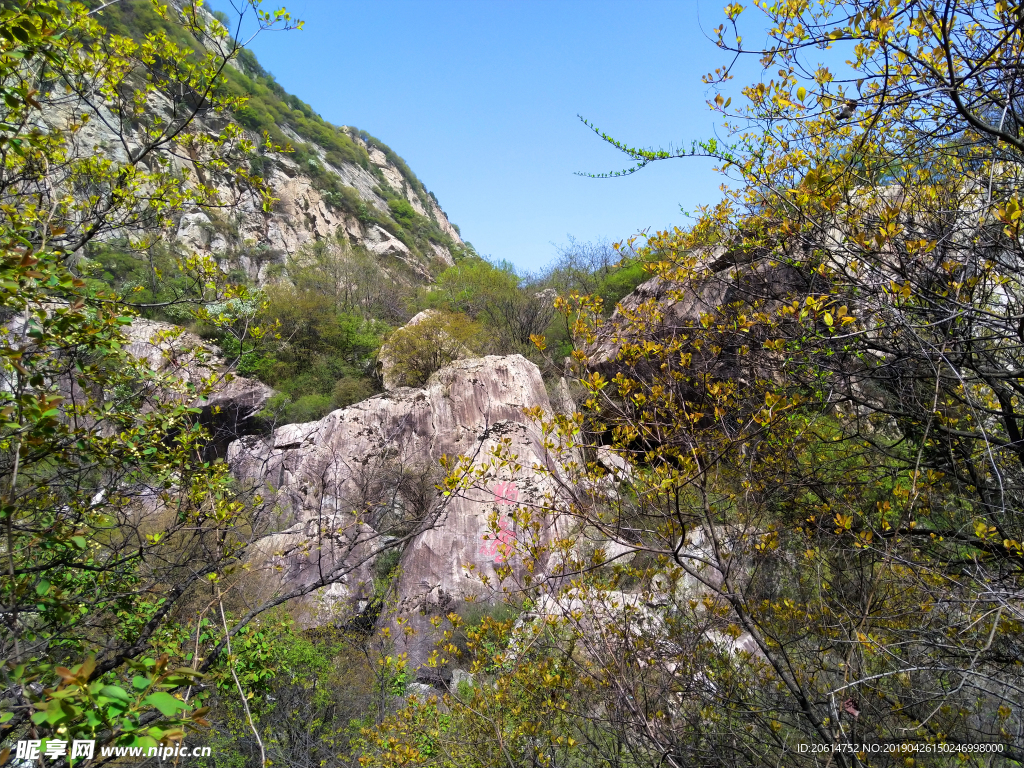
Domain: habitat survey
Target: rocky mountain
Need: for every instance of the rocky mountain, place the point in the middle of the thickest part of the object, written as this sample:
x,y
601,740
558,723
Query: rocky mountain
x,y
328,181
254,241
355,499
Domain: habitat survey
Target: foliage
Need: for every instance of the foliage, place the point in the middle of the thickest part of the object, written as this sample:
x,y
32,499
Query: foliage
x,y
516,308
118,538
436,340
609,271
349,277
471,285
308,710
516,720
512,308
322,356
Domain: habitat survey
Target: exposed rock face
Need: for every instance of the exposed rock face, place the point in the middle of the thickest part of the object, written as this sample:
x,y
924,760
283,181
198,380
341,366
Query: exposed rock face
x,y
252,239
337,550
377,462
229,410
182,363
240,235
681,304
659,309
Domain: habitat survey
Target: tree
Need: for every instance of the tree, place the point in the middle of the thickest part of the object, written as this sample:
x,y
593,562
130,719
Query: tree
x,y
796,483
349,277
120,544
513,307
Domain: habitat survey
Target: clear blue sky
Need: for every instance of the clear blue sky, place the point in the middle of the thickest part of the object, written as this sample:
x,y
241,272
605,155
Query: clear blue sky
x,y
481,96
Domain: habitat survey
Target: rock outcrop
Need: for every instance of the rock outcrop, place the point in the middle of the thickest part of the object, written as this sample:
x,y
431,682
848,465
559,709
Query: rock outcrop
x,y
375,464
665,308
364,194
228,411
183,365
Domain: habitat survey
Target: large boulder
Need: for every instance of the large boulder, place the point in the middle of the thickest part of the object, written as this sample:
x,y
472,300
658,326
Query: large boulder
x,y
663,308
376,464
183,365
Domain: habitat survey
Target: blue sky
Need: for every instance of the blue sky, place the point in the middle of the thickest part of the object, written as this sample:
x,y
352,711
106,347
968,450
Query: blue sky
x,y
481,99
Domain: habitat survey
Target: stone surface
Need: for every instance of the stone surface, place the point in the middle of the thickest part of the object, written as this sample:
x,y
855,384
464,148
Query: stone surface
x,y
337,551
442,221
378,461
183,363
229,409
460,676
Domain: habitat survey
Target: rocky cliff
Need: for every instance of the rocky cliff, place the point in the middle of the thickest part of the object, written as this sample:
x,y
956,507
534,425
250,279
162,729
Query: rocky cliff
x,y
254,241
364,477
328,181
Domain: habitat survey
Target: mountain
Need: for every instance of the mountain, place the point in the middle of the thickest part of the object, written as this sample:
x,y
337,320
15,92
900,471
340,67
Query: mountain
x,y
328,181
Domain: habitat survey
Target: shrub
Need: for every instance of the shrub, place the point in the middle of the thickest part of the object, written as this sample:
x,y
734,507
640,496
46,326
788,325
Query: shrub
x,y
414,352
386,566
402,210
350,390
280,409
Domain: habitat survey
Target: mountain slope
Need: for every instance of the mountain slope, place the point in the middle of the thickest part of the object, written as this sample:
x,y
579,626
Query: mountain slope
x,y
328,181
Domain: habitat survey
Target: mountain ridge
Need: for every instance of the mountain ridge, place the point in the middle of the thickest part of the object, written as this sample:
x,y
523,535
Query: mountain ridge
x,y
327,181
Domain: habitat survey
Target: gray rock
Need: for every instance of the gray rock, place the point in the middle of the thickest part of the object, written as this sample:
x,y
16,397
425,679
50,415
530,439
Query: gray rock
x,y
228,411
422,690
378,462
673,307
460,676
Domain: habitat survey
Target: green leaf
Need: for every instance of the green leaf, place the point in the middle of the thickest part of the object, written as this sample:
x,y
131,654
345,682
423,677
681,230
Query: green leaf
x,y
54,712
167,704
42,587
79,541
115,693
140,682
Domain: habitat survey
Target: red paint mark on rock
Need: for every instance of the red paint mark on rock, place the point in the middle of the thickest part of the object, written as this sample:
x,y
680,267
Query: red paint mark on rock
x,y
505,495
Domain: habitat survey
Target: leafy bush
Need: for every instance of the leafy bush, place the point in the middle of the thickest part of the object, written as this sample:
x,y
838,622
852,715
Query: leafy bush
x,y
415,352
511,307
282,409
386,565
351,389
308,712
471,286
596,269
402,210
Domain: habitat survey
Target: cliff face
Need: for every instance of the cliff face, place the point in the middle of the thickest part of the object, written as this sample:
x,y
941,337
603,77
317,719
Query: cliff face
x,y
363,477
327,181
254,241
